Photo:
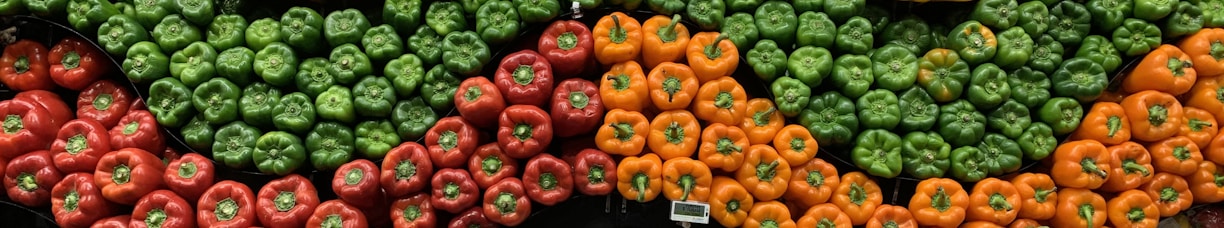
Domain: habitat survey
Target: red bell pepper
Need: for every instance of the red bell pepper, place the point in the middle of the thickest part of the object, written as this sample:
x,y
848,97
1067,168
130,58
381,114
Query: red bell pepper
x,y
576,107
549,180
594,173
453,190
138,129
138,104
286,202
356,182
471,218
75,63
29,178
52,102
525,77
506,202
489,165
27,127
77,202
104,101
567,44
450,142
479,102
169,155
24,66
126,174
413,211
405,170
118,221
227,204
162,208
524,131
336,213
189,176
78,146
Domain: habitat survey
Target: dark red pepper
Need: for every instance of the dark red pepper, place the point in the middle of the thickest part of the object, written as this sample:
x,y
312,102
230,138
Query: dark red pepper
x,y
450,142
525,77
378,215
336,213
524,131
489,165
27,127
118,221
189,176
227,204
453,190
413,211
568,45
24,66
356,182
405,170
52,102
479,102
286,202
75,63
576,107
138,129
548,179
104,101
471,218
129,173
30,177
594,173
78,146
77,202
162,208
506,202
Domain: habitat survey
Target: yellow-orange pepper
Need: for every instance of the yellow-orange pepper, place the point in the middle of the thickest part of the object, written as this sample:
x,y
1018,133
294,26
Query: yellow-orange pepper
x,y
812,183
729,202
672,86
771,214
722,101
1038,195
1177,155
618,38
623,133
1200,126
640,178
1166,69
764,173
939,202
712,55
1106,122
1130,165
858,196
664,40
1080,164
674,134
1199,48
762,121
1153,115
993,200
624,87
891,217
824,215
686,179
1207,183
1079,208
722,147
1132,208
795,144
1170,192
1206,94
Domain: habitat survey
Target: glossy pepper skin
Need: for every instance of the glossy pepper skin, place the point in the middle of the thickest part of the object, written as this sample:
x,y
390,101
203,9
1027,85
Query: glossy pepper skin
x,y
426,44
768,62
235,142
1107,123
686,179
1038,196
1015,48
594,173
925,155
812,64
1062,114
119,33
1081,164
138,129
624,87
453,190
85,15
479,102
1100,50
227,203
77,202
1136,37
29,178
1153,10
1132,208
711,56
764,214
673,134
568,45
348,64
721,100
336,104
1153,115
336,213
226,31
381,43
777,21
506,202
763,121
344,27
894,67
878,152
1079,208
473,217
525,77
939,202
722,147
855,36
707,14
78,146
664,40
640,178
74,64
174,33
450,142
295,113
302,28
524,130
834,130
236,64
993,200
217,100
412,118
858,196
440,87
1108,15
127,174
262,32
24,66
1198,46
547,179
1211,13
190,176
764,173
276,64
258,102
943,74
988,87
357,183
464,53
405,169
413,211
286,202
1203,185
741,29
490,165
406,73
1186,19
974,42
37,128
374,97
576,105
1177,155
278,153
375,138
623,133
961,124
812,183
729,202
1166,69
1130,166
164,209
1170,193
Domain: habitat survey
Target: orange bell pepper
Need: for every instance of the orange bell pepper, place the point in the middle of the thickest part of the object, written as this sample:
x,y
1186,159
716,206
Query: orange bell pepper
x,y
771,214
764,172
1026,223
812,183
1153,115
1080,164
980,224
623,133
1038,195
618,38
939,202
993,200
721,100
1177,155
640,177
1132,208
795,144
1105,123
858,196
729,202
674,134
722,147
1207,95
712,56
824,215
1199,47
1215,150
1200,126
686,179
762,121
1166,69
1170,192
1079,208
672,86
664,39
892,217
624,87
1130,165
1207,183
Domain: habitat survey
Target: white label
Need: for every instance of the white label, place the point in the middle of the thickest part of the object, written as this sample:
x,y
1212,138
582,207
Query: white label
x,y
687,211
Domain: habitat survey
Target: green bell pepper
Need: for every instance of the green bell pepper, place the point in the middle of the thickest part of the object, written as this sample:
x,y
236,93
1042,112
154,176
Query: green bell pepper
x,y
1034,18
1038,141
278,153
968,164
743,5
302,28
1135,37
471,6
974,42
412,118
591,4
313,77
925,155
12,7
878,152
841,11
145,63
855,36
330,145
988,87
295,112
943,75
1062,114
234,145
1047,54
345,27
445,17
1186,19
336,104
119,33
199,12
46,8
852,73
276,64
537,11
1002,154
464,53
878,16
1080,78
150,12
1100,50
894,67
1010,119
1029,87
1107,15
406,73
194,64
439,88
1072,22
174,33
808,5
217,100
264,32
879,109
257,104
125,8
815,29
1015,48
497,22
707,14
1213,13
236,64
939,36
912,33
831,119
374,97
403,15
998,14
227,31
198,134
767,61
790,95
741,29
776,21
1153,10
918,110
810,65
961,124
375,138
86,15
348,64
666,7
171,102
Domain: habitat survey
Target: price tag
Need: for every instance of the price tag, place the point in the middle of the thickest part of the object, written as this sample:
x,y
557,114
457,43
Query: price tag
x,y
694,212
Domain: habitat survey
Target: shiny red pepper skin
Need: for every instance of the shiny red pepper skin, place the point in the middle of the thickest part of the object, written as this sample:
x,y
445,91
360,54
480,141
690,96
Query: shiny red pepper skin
x,y
118,221
211,206
524,131
349,216
37,132
413,211
490,165
83,207
356,182
574,60
30,177
177,213
465,139
189,176
405,170
138,129
471,218
75,63
275,213
538,172
500,210
576,107
143,175
519,88
88,141
104,101
479,102
594,173
52,102
24,66
463,192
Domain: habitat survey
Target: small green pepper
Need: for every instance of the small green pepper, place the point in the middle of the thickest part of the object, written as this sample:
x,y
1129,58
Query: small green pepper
x,y
925,155
374,97
427,45
1010,119
831,119
1107,15
171,102
313,78
295,112
236,64
217,100
235,142
1002,154
855,36
412,118
257,104
198,134
1154,10
278,153
1080,78
741,29
1100,50
791,95
119,33
707,14
1015,48
227,31
263,32
1136,37
988,87
943,74
330,145
276,64
918,111
879,152
743,5
1186,19
445,17
894,67
302,28
810,65
497,22
1029,87
911,33
974,42
12,7
199,12
1038,141
1213,13
1062,114
348,64
336,104
145,63
406,73
998,14
666,7
852,73
194,64
776,21
439,88
46,8
345,27
1047,54
816,29
86,15
375,138
591,4
841,11
960,124
464,53
1034,18
150,12
767,61
878,16
537,11
174,33
403,15
1071,23
968,164
879,109
471,6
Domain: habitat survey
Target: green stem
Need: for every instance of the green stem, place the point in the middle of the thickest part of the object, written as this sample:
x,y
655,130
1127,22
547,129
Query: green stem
x,y
687,182
640,183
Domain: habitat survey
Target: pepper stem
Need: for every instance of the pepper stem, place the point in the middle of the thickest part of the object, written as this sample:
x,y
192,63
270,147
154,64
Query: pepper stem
x,y
27,182
624,131
999,202
1114,123
1135,215
640,183
763,118
1042,194
1085,212
1168,194
686,182
187,170
617,33
1089,166
766,172
285,201
1130,166
712,51
505,203
668,33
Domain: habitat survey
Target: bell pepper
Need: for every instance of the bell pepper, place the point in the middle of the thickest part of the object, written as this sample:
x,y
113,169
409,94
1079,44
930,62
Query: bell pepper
x,y
465,53
988,87
777,21
30,177
78,145
1015,48
878,152
993,200
686,179
1064,115
1198,47
440,87
973,41
312,77
382,44
277,64
1214,151
190,175
524,131
127,174
1186,19
594,172
721,100
853,74
74,64
348,64
344,27
302,28
939,202
769,213
1030,88
263,32
617,42
743,5
664,40
538,11
336,213
525,77
149,12
925,155
741,29
375,138
1038,196
729,202
286,202
707,14
795,144
174,33
278,153
119,33
404,16
226,31
960,124
623,87
336,104
118,221
1100,50
227,203
895,68
722,147
235,142
943,74
858,196
479,102
1169,192
673,134
1080,208
258,102
712,56
1211,13
918,111
1107,123
473,217
812,183
1153,115
623,133
568,46
911,33
1203,183
24,66
217,101
763,121
162,208
198,12
889,215
855,36
426,44
1167,69
236,64
498,22
451,141
374,97
55,106
999,14
1081,164
1047,55
1072,22
412,118
453,190
547,179
490,164
357,183
1136,37
1130,166
576,104
831,130
406,74
666,7
1200,126
968,164
413,211
85,15
640,178
812,64
506,203
77,202
1108,15
295,112
1132,208
1002,154
1011,119
1177,155
138,129
46,9
767,61
406,169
